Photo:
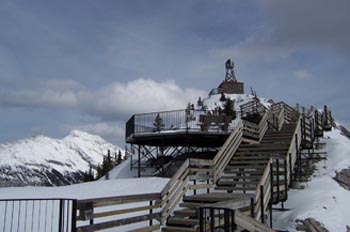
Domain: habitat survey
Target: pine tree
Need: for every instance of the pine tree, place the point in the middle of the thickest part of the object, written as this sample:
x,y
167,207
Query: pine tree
x,y
223,97
229,108
199,103
119,159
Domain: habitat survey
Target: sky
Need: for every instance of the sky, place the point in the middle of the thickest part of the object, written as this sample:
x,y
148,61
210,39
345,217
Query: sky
x,y
90,65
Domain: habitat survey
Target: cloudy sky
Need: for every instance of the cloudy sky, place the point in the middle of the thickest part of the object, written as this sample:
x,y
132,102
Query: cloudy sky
x,y
90,65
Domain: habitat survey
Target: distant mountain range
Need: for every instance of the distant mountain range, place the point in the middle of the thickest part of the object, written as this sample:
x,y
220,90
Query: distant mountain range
x,y
41,160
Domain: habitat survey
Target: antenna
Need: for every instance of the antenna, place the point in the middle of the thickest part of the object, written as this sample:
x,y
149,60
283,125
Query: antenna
x,y
230,73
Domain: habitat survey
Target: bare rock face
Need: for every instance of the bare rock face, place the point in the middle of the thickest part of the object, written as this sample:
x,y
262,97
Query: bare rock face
x,y
343,178
310,225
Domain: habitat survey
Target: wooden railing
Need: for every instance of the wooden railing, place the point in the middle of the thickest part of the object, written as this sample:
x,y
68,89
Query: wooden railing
x,y
293,150
104,213
278,116
223,157
290,114
254,131
263,193
179,184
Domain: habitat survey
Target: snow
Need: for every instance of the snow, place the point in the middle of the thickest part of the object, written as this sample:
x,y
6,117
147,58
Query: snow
x,y
97,189
323,198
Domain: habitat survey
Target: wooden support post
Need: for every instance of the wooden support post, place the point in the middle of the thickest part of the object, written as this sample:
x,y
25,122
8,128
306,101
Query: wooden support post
x,y
261,204
151,212
201,219
271,197
290,169
278,179
285,181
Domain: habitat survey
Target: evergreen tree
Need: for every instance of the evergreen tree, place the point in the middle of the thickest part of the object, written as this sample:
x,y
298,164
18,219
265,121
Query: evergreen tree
x,y
223,97
119,159
229,106
199,103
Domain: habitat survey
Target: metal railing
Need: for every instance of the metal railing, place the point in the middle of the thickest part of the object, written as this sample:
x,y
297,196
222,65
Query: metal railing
x,y
181,121
35,215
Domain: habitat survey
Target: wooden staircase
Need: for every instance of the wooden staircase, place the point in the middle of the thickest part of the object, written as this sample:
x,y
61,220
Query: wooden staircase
x,y
187,218
261,171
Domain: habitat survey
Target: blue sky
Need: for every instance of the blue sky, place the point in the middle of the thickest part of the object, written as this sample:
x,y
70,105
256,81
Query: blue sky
x,y
91,64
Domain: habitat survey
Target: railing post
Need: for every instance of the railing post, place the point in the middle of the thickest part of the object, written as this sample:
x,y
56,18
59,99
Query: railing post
x,y
278,179
290,169
252,207
139,162
261,204
61,216
150,212
212,220
271,198
201,220
74,215
285,180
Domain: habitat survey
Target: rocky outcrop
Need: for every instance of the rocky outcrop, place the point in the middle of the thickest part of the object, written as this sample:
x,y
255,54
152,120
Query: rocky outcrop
x,y
343,178
310,225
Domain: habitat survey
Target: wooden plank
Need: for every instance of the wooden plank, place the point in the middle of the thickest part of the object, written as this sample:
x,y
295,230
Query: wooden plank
x,y
250,224
99,202
125,211
147,229
231,204
118,222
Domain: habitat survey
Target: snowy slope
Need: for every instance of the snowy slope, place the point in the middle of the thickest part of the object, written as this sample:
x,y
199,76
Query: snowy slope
x,y
42,160
323,198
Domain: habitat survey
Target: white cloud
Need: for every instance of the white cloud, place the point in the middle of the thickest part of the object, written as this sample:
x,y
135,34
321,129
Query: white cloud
x,y
113,101
118,100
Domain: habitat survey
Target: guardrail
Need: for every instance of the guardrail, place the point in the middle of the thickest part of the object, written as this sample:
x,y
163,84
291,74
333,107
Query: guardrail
x,y
183,121
104,213
179,184
256,131
263,193
35,215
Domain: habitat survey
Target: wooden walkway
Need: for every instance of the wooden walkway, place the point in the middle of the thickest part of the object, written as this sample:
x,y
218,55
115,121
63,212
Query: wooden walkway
x,y
233,192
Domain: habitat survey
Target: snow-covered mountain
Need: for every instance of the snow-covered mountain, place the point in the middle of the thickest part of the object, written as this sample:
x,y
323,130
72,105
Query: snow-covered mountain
x,y
41,160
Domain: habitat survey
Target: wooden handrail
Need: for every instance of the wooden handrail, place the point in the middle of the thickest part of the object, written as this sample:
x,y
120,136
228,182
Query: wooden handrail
x,y
223,157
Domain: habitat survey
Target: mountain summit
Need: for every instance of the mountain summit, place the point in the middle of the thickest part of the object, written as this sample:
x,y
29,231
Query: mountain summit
x,y
41,160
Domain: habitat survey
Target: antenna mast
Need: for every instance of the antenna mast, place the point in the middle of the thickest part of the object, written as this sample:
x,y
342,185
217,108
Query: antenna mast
x,y
230,73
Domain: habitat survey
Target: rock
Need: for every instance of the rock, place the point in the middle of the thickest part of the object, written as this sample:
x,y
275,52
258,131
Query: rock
x,y
310,225
343,178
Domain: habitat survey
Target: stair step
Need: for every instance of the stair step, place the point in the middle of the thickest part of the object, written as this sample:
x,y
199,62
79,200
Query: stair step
x,y
253,172
235,183
243,167
186,213
178,229
235,188
182,221
191,205
247,162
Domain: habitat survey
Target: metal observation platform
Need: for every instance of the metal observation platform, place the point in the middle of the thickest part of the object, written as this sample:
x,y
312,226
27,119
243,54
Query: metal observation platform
x,y
195,128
